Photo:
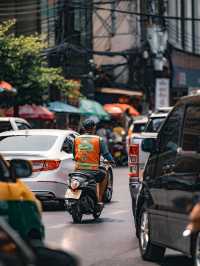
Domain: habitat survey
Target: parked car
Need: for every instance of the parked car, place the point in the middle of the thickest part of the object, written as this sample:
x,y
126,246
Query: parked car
x,y
137,158
138,126
18,204
13,123
50,152
171,184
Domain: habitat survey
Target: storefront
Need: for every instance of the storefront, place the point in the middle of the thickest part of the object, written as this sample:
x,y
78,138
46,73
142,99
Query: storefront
x,y
185,73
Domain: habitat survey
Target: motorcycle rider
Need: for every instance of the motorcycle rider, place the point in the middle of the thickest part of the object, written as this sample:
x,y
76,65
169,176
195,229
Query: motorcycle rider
x,y
194,219
88,148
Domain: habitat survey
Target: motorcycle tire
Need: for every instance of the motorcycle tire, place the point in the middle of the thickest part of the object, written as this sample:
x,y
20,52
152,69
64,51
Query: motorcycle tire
x,y
109,190
76,214
96,213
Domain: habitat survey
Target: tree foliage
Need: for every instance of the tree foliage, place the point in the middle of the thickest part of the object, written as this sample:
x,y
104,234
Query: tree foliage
x,y
22,65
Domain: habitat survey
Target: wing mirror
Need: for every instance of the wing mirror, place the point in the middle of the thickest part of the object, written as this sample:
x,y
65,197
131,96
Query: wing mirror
x,y
149,145
20,168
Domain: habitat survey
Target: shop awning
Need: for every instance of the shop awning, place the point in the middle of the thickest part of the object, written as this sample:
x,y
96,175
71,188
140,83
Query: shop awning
x,y
6,87
93,108
120,91
113,109
32,112
60,107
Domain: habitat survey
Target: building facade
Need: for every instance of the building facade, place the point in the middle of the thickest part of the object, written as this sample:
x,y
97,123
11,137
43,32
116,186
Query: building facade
x,y
116,42
35,16
184,40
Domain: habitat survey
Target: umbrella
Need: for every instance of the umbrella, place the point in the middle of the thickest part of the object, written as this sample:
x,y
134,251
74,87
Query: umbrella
x,y
123,108
6,87
32,112
113,110
93,108
60,107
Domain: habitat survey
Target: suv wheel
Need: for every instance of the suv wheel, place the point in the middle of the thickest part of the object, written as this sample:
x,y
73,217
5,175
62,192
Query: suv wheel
x,y
196,255
149,251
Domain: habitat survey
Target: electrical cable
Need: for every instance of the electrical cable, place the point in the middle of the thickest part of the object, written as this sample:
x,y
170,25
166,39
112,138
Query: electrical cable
x,y
140,14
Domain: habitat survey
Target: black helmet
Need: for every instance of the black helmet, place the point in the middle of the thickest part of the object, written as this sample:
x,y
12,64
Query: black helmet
x,y
89,124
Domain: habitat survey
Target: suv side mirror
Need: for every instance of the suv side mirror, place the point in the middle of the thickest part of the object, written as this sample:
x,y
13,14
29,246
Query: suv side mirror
x,y
20,168
149,145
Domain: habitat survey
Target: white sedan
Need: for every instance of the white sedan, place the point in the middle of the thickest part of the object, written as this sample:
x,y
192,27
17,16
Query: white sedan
x,y
50,152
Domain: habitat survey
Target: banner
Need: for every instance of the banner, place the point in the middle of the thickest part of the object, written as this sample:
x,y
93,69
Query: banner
x,y
162,93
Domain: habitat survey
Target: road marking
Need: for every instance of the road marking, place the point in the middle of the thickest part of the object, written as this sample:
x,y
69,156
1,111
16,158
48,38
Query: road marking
x,y
118,212
56,226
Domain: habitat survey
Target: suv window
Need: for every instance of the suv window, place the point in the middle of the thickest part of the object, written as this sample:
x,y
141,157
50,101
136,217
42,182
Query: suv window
x,y
169,137
5,126
191,130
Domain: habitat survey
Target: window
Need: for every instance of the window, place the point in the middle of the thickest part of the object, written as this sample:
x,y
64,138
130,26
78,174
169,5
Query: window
x,y
27,143
22,126
154,124
4,172
191,130
169,137
68,144
5,126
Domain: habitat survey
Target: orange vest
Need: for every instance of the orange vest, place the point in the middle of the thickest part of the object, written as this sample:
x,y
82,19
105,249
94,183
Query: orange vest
x,y
87,152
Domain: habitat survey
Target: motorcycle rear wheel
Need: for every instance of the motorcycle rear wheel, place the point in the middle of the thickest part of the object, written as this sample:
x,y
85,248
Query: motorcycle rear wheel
x,y
76,214
109,190
96,214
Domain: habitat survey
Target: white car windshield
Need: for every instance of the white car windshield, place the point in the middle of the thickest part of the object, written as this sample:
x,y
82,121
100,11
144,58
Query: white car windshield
x,y
27,143
154,124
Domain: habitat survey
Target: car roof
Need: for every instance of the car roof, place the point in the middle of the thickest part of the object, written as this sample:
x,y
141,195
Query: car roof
x,y
157,115
50,132
12,118
194,99
140,119
164,109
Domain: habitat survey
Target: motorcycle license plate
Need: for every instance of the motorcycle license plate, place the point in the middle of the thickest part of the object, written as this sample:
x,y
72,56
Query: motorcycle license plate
x,y
70,194
117,154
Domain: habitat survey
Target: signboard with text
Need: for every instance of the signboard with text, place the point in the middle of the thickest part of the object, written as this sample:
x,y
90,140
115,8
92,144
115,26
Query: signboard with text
x,y
162,93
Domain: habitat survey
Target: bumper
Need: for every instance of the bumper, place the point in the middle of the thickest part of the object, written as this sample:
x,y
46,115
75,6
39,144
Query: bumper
x,y
46,190
134,190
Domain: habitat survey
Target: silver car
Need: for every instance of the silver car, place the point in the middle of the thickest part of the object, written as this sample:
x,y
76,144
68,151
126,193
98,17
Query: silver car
x,y
50,152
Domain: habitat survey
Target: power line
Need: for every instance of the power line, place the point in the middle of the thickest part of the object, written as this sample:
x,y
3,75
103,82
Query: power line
x,y
135,13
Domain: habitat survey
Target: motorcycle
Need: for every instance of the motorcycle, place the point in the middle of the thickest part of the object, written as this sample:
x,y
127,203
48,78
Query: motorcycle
x,y
118,151
80,197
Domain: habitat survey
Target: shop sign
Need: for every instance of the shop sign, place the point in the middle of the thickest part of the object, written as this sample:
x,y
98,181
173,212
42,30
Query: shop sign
x,y
162,93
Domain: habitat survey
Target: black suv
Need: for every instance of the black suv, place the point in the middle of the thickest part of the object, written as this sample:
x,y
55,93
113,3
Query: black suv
x,y
171,184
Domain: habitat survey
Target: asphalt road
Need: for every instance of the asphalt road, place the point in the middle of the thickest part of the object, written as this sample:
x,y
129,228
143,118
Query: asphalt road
x,y
109,241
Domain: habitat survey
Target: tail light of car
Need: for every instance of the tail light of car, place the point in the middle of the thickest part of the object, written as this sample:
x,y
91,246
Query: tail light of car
x,y
134,161
44,165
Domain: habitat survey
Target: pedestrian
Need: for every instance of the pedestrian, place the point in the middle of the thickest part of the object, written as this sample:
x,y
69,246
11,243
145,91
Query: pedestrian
x,y
128,120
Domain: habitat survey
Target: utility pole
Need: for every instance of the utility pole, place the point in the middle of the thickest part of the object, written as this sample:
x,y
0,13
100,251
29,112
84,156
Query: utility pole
x,y
157,38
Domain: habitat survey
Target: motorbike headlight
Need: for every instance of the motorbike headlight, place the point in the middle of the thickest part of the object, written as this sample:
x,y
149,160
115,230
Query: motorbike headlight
x,y
75,184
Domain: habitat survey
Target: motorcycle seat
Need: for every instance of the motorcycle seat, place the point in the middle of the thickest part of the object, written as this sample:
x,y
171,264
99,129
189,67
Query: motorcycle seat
x,y
81,174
